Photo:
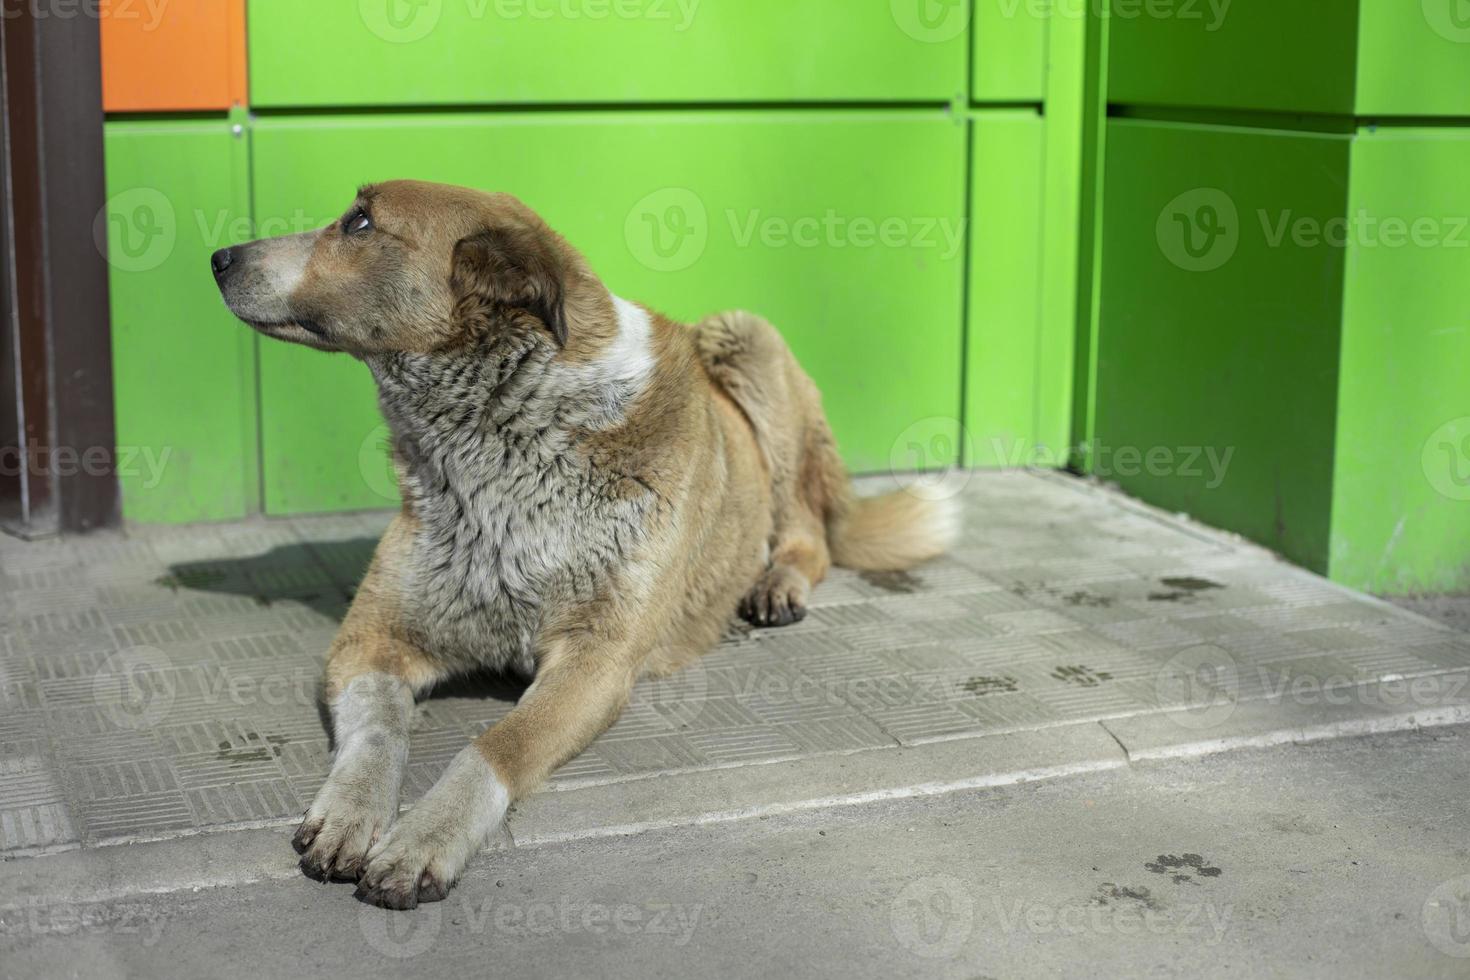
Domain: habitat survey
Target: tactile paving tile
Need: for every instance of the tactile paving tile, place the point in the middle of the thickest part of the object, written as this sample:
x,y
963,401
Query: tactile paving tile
x,y
161,681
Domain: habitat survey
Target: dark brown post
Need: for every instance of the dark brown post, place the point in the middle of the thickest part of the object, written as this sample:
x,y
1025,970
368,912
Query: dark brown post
x,y
57,436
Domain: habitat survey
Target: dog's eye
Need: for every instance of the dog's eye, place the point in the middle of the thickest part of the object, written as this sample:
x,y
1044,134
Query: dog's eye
x,y
356,222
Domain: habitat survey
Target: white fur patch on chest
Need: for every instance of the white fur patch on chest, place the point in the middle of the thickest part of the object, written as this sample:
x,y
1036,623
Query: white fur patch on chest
x,y
628,360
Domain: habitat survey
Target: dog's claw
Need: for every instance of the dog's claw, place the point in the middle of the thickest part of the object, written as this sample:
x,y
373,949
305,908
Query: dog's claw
x,y
305,835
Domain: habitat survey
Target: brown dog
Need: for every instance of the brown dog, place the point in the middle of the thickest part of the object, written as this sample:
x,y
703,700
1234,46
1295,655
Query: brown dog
x,y
589,490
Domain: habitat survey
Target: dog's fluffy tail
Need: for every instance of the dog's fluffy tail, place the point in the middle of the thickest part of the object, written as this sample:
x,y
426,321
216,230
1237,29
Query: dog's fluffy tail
x,y
891,532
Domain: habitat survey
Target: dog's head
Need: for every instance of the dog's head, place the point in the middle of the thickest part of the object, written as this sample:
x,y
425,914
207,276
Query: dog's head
x,y
411,267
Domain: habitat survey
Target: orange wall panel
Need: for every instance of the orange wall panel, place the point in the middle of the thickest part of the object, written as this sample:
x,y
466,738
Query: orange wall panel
x,y
173,55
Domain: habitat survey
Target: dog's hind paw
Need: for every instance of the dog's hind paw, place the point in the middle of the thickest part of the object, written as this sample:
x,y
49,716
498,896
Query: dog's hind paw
x,y
778,598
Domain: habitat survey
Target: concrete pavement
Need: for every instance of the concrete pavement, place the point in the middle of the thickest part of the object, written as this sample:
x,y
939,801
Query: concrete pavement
x,y
1344,858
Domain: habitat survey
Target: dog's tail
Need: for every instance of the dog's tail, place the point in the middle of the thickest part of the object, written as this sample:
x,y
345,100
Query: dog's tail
x,y
890,532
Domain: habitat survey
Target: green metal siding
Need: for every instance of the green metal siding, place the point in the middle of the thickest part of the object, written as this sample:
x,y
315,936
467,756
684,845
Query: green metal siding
x,y
1414,58
1323,373
845,229
1218,329
1401,502
1010,51
1272,55
1001,361
1063,198
598,51
184,368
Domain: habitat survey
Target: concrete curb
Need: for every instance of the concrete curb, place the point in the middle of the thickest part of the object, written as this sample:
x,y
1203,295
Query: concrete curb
x,y
719,795
239,857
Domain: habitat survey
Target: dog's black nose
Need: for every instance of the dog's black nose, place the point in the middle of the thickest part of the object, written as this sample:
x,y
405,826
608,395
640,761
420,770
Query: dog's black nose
x,y
220,261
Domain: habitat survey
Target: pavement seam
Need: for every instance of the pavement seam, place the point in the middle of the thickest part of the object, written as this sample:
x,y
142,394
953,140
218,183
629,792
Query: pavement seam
x,y
246,856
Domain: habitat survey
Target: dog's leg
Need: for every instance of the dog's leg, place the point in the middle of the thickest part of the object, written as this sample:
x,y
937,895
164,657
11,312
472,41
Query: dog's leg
x,y
371,679
799,561
580,688
750,361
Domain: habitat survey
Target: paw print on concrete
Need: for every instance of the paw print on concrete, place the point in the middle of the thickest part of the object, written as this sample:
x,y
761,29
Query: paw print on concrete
x,y
1182,868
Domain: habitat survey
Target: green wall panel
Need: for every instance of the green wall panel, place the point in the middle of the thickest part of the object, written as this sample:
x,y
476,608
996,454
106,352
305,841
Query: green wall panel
x,y
1219,323
1282,55
184,370
457,52
1010,51
1001,352
1414,58
1072,114
845,229
1401,508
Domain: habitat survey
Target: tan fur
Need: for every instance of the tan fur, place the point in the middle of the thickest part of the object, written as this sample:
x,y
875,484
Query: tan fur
x,y
723,451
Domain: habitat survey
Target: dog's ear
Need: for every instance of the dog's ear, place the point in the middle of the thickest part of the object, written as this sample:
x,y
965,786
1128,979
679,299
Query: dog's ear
x,y
509,267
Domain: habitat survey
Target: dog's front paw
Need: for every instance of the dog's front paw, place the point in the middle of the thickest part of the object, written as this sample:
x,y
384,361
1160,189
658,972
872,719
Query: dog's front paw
x,y
352,812
425,853
777,599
